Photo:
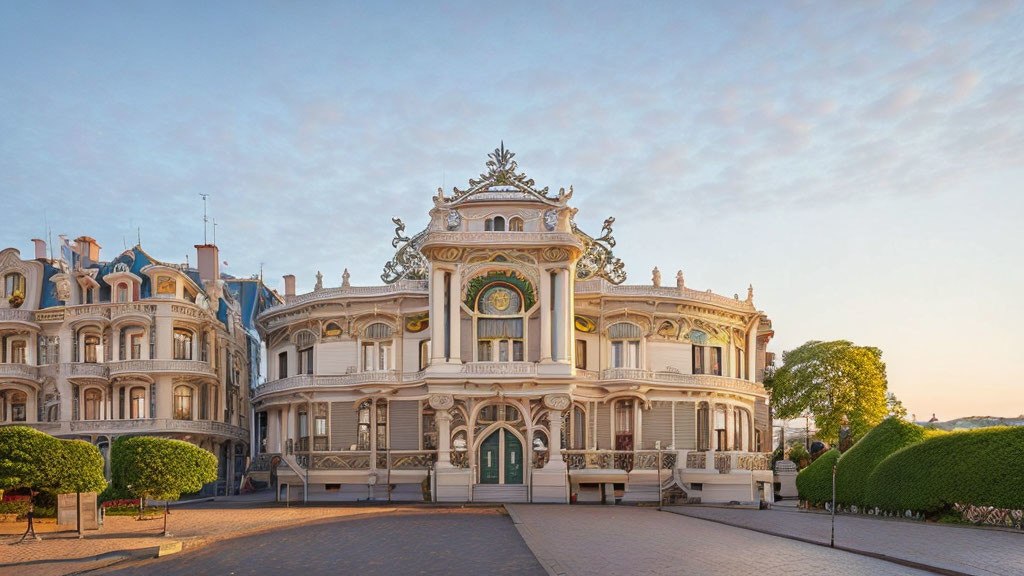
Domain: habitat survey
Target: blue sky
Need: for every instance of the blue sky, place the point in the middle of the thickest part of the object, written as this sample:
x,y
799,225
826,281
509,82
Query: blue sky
x,y
860,164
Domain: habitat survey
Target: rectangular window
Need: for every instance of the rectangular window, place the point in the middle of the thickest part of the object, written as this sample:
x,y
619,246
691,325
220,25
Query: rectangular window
x,y
698,359
483,351
617,354
634,355
306,361
122,293
424,354
503,351
517,350
18,352
716,361
581,354
282,365
384,356
136,346
303,425
382,426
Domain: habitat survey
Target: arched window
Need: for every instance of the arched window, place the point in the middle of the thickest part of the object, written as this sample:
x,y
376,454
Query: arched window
x,y
515,224
182,344
574,425
499,224
93,404
14,282
499,324
377,350
332,329
17,402
137,402
720,439
624,425
625,340
183,402
122,292
92,345
18,352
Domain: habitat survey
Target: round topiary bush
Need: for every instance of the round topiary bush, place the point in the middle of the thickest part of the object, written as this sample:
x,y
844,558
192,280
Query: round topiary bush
x,y
814,483
857,463
982,467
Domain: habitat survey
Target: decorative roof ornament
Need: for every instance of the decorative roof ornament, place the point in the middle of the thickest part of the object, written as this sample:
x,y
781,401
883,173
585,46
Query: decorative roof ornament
x,y
408,262
501,177
597,260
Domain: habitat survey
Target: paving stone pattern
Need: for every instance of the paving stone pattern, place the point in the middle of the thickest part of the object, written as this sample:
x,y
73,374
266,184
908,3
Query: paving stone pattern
x,y
958,548
626,540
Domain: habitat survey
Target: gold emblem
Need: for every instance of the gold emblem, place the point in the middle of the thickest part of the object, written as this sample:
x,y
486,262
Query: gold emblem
x,y
500,300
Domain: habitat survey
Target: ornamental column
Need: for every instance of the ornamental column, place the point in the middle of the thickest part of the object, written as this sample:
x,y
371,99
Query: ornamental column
x,y
555,439
441,403
455,317
436,315
752,351
564,316
545,316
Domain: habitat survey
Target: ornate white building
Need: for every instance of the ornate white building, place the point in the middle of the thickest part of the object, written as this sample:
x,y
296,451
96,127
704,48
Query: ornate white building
x,y
94,350
503,359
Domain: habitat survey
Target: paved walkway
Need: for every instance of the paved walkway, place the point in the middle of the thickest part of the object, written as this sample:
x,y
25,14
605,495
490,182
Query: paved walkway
x,y
407,541
954,548
578,540
193,525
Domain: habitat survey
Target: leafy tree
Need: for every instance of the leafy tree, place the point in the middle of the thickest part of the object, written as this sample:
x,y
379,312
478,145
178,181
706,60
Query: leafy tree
x,y
80,468
895,406
831,379
27,458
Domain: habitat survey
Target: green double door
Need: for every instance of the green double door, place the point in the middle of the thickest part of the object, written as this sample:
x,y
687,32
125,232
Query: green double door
x,y
501,459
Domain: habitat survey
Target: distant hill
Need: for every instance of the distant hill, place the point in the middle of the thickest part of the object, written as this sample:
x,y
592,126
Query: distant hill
x,y
972,422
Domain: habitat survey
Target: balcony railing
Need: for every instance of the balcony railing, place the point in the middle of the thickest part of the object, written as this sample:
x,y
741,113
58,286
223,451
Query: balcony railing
x,y
158,425
500,368
406,459
17,315
160,367
303,381
361,460
84,370
708,381
627,460
20,371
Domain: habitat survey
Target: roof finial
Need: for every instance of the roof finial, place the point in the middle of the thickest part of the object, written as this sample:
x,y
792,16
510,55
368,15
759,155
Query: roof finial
x,y
750,293
679,279
344,279
656,277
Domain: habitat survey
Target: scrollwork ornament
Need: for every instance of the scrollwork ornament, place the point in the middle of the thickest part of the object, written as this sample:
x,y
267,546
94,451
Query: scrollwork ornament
x,y
555,254
441,401
557,401
408,262
453,220
598,261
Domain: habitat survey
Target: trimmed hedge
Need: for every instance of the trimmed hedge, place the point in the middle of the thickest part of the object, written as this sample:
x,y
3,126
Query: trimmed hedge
x,y
160,468
814,483
857,463
982,467
31,459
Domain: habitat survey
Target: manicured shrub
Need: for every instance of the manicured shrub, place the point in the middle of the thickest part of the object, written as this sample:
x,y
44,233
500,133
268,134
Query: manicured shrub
x,y
160,468
857,463
983,467
31,459
799,455
814,483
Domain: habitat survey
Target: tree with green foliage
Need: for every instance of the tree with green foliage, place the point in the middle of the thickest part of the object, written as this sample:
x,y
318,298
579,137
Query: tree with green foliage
x,y
895,406
857,463
161,469
831,379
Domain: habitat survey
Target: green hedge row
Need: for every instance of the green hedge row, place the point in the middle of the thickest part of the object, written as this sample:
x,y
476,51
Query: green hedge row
x,y
857,463
814,483
983,467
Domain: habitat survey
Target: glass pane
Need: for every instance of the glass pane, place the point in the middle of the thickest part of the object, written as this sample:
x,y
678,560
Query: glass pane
x,y
517,350
503,351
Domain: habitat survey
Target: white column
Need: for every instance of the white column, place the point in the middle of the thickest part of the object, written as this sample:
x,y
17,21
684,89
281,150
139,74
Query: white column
x,y
444,440
570,315
437,315
752,352
564,316
455,317
732,358
115,338
730,426
545,316
555,439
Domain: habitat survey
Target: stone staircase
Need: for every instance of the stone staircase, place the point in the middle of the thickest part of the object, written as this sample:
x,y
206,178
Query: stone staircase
x,y
502,493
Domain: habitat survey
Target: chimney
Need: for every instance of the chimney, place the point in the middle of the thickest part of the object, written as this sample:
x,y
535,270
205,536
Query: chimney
x,y
88,250
40,248
289,286
208,262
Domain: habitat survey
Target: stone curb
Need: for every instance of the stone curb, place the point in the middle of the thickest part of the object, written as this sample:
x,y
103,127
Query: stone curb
x,y
114,556
868,553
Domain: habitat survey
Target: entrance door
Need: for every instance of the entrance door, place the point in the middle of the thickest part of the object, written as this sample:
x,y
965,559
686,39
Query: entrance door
x,y
513,459
489,459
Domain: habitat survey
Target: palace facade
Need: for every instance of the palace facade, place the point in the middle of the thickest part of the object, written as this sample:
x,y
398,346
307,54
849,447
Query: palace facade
x,y
503,358
94,350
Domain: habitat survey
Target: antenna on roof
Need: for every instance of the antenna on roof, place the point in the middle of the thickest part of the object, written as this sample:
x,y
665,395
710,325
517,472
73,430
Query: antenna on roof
x,y
214,230
204,215
138,236
124,241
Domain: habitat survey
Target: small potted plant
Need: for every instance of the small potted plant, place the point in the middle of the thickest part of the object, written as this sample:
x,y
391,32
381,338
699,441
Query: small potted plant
x,y
16,299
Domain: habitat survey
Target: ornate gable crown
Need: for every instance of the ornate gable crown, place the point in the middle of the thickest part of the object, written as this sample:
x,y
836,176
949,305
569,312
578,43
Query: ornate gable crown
x,y
502,182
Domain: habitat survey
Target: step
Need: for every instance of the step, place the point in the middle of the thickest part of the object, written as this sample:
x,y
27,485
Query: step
x,y
500,493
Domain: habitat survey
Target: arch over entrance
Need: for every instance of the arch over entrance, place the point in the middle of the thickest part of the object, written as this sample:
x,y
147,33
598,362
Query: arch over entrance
x,y
501,458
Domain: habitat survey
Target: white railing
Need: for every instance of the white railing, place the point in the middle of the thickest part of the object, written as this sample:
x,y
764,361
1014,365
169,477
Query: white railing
x,y
84,370
689,380
160,366
16,315
302,381
23,371
154,425
500,368
601,286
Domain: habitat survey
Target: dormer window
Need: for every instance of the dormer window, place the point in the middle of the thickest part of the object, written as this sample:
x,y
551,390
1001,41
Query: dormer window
x,y
515,224
625,338
14,282
122,293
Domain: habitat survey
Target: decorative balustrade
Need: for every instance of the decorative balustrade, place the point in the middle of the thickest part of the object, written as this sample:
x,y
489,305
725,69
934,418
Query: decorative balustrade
x,y
697,460
707,381
263,462
84,370
587,374
52,428
723,462
17,315
302,381
601,286
160,366
500,368
407,459
336,460
754,461
132,309
158,425
20,371
627,460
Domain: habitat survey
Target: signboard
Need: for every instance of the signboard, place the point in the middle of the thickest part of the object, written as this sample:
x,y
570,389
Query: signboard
x,y
67,511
